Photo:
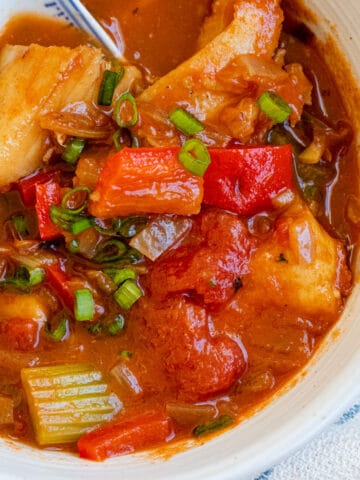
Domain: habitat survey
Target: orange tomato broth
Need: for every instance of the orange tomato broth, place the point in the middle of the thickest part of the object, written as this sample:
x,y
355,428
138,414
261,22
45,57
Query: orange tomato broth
x,y
278,341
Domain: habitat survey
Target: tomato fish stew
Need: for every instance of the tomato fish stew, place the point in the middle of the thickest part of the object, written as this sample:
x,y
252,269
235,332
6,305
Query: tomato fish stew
x,y
176,230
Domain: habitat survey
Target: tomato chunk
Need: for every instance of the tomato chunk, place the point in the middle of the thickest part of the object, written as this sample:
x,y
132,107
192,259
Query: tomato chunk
x,y
20,334
198,364
211,265
146,180
117,438
246,180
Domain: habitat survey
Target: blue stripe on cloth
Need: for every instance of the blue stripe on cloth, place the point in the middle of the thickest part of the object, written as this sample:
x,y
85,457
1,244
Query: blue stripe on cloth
x,y
349,415
266,475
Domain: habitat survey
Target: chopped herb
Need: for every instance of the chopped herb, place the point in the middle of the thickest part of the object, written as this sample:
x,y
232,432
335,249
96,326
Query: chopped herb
x,y
117,325
282,259
60,332
238,283
125,354
218,424
212,283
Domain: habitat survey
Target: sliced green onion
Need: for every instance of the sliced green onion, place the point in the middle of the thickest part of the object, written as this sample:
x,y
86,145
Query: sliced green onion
x,y
28,277
194,157
62,218
81,225
60,332
120,104
73,150
110,251
71,204
127,294
125,354
36,276
130,226
84,308
219,423
102,227
116,139
274,107
132,256
20,225
116,326
135,142
186,122
119,276
74,246
95,328
108,85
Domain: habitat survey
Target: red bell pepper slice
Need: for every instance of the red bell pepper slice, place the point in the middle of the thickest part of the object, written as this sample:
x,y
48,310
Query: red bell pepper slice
x,y
246,180
46,195
117,438
59,280
151,180
142,180
27,186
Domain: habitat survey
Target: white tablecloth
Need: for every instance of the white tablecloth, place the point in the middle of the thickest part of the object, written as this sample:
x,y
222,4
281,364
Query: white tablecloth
x,y
332,455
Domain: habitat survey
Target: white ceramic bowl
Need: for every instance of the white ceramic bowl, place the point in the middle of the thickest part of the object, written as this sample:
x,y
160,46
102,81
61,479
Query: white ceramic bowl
x,y
331,381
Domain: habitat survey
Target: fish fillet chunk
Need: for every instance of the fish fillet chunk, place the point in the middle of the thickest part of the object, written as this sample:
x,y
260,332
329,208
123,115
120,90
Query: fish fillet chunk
x,y
34,81
221,83
301,266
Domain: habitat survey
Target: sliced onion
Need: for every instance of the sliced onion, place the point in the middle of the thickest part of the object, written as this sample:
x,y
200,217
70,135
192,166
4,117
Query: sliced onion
x,y
78,120
189,414
160,235
126,379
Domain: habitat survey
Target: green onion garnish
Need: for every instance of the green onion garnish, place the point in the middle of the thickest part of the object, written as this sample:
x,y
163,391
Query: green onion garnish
x,y
72,199
194,157
274,107
73,150
130,226
29,277
127,294
20,225
36,276
60,332
81,225
116,139
119,276
84,308
116,326
110,251
125,354
186,122
124,100
104,228
219,423
74,246
62,218
94,328
108,85
25,277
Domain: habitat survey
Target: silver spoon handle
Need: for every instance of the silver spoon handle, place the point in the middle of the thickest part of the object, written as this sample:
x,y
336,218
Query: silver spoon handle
x,y
80,16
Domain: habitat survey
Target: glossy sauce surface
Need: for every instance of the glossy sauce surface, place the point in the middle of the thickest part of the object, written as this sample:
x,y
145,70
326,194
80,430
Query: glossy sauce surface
x,y
277,341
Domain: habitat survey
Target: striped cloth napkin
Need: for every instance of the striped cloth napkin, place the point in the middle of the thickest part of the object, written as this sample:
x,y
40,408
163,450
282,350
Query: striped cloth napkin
x,y
332,455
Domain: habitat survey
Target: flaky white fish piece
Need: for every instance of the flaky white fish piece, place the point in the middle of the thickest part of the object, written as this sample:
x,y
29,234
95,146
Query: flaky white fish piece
x,y
300,266
35,81
222,81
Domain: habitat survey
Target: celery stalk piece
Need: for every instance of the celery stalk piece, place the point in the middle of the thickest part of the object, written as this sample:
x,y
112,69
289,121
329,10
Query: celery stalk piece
x,y
66,401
